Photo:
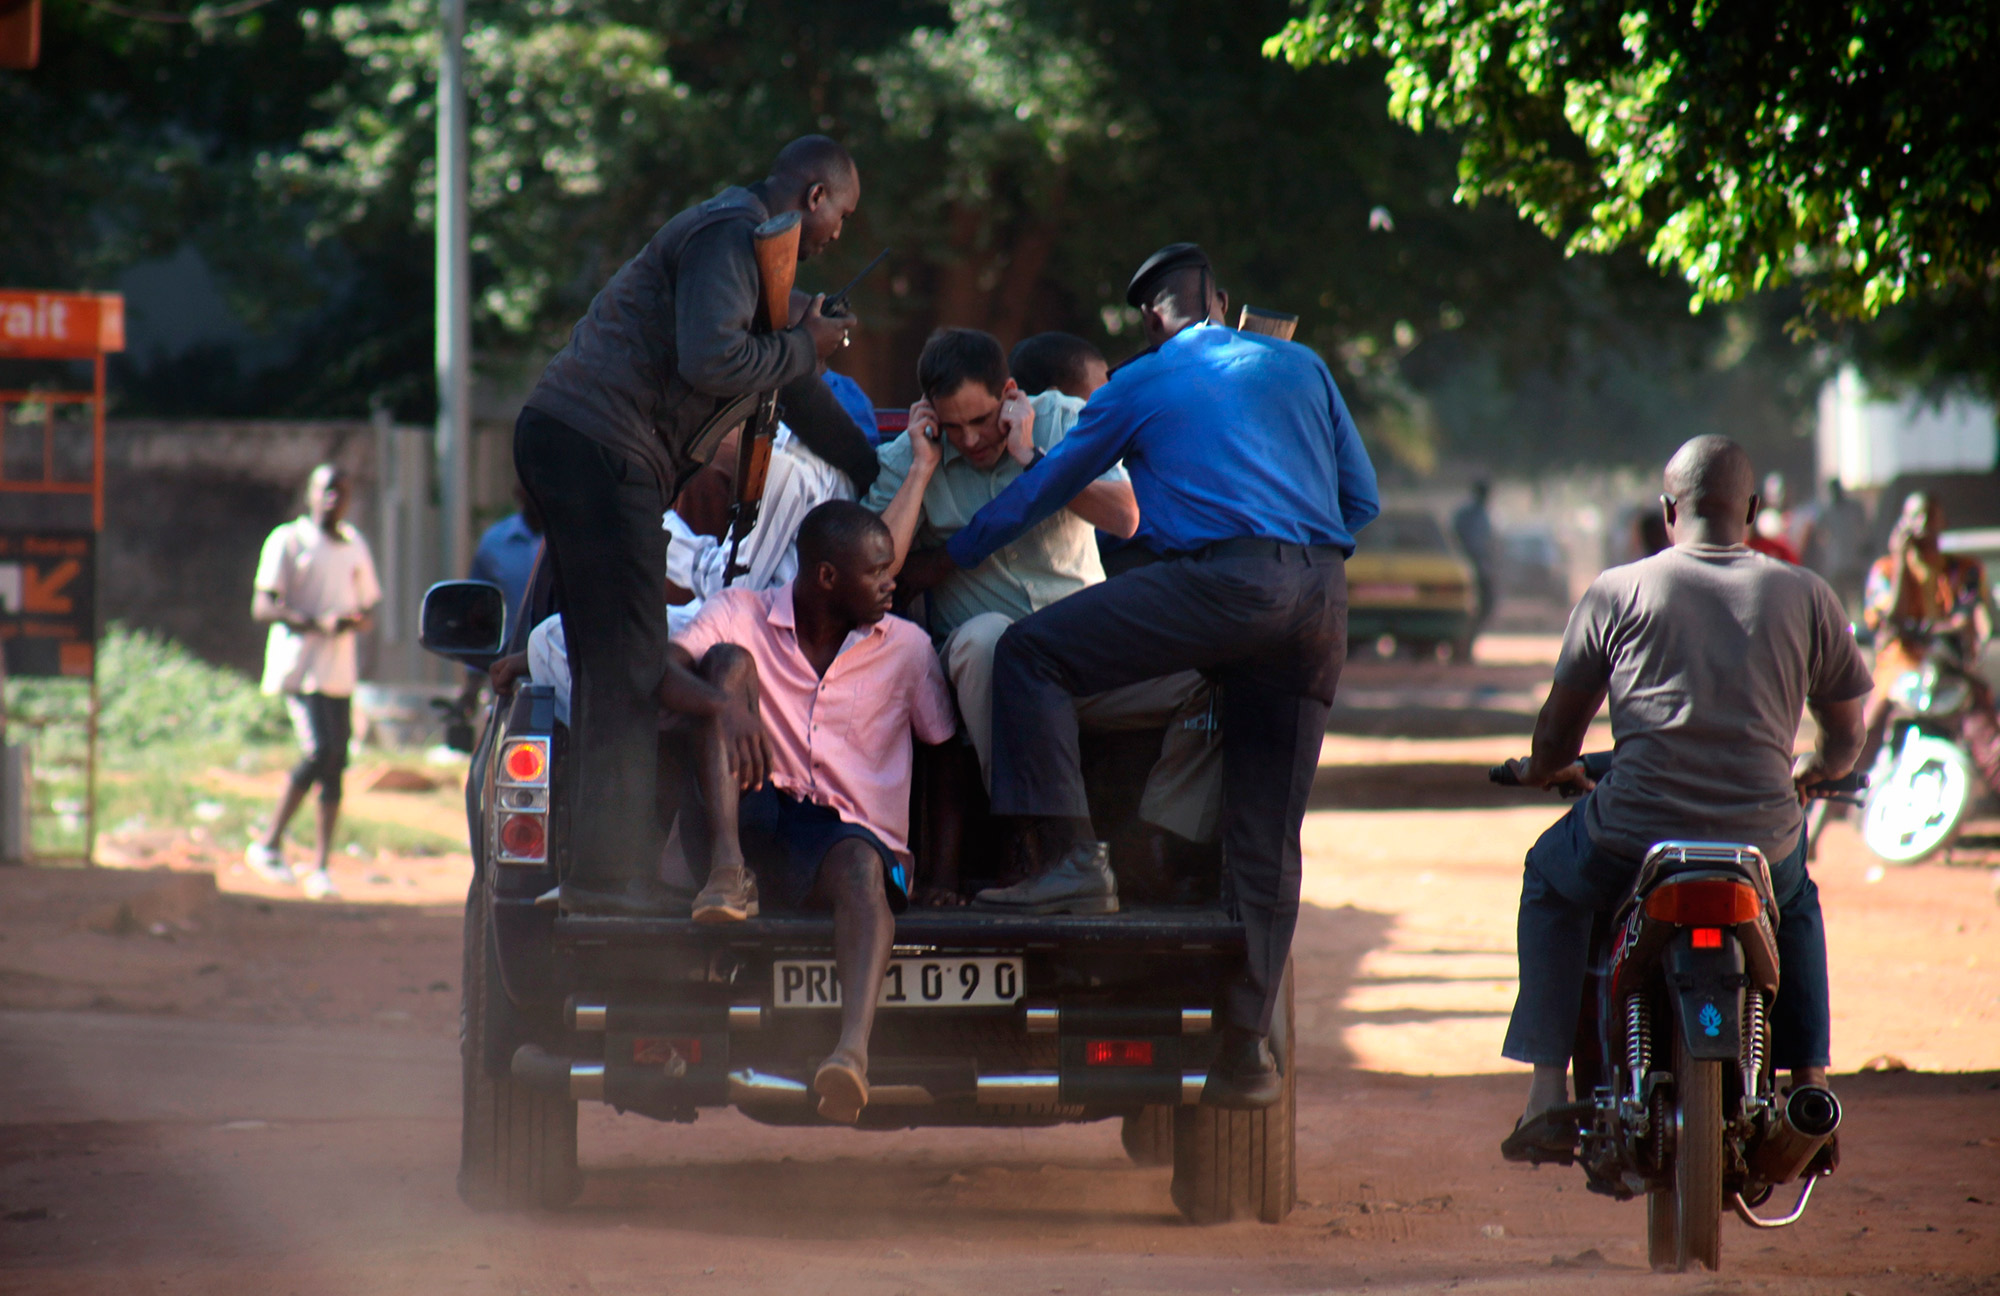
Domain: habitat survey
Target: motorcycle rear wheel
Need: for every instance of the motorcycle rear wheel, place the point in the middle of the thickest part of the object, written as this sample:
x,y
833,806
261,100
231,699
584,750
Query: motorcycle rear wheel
x,y
1914,811
1684,1221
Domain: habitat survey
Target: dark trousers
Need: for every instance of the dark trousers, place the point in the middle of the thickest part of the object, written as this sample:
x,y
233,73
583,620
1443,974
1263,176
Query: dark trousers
x,y
1266,622
324,725
1569,879
601,513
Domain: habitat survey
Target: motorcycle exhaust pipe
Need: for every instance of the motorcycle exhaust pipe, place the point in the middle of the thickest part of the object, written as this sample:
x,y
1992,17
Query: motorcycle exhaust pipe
x,y
1807,1120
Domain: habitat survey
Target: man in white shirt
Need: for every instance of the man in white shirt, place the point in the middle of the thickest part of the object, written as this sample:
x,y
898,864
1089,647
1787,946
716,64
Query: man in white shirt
x,y
316,589
972,435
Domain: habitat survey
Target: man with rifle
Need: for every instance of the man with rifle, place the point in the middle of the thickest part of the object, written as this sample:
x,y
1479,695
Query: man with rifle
x,y
678,347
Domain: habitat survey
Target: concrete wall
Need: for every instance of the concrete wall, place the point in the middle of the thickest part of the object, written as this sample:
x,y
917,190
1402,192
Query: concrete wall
x,y
189,503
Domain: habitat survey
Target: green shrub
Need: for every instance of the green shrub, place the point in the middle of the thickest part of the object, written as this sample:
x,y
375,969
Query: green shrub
x,y
154,696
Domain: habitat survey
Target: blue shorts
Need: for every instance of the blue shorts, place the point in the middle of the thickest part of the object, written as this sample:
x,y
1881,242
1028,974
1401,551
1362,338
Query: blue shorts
x,y
785,841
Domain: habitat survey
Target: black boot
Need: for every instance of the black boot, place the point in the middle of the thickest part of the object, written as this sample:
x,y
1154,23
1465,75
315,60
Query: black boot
x,y
1244,1075
1079,883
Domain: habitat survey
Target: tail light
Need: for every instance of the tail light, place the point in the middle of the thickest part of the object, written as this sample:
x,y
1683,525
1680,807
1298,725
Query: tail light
x,y
524,837
1707,937
1705,902
1118,1053
525,760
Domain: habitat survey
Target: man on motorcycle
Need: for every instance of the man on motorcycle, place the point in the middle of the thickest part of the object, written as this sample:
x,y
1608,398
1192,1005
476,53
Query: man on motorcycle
x,y
1708,652
1914,591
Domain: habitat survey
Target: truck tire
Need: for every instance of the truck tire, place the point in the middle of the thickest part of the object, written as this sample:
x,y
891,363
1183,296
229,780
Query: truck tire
x,y
517,1148
1149,1136
1231,1165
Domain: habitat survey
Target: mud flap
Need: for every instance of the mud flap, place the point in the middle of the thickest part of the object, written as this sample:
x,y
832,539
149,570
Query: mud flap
x,y
1708,985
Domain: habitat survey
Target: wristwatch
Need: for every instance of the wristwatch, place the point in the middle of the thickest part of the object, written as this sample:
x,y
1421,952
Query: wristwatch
x,y
1039,455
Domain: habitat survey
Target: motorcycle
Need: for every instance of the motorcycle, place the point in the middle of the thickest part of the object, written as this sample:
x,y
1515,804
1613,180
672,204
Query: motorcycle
x,y
1673,1050
1924,780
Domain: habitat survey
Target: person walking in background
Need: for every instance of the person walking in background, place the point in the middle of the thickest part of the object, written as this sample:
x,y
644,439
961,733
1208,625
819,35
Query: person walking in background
x,y
506,553
316,589
1474,530
505,557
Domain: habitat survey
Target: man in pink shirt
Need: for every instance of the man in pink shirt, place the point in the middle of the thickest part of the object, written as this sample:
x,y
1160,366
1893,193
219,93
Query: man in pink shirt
x,y
824,689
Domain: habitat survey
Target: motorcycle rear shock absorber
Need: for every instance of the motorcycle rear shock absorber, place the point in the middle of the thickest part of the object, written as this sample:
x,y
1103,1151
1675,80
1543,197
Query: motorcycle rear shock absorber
x,y
1756,1041
1638,1042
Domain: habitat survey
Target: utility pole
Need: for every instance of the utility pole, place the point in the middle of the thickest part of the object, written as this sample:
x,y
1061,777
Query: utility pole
x,y
454,299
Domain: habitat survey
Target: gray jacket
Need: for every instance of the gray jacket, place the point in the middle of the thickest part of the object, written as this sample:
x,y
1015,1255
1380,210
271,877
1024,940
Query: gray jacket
x,y
667,342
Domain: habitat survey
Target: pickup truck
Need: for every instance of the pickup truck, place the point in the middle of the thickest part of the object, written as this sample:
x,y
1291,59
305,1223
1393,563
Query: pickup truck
x,y
985,1019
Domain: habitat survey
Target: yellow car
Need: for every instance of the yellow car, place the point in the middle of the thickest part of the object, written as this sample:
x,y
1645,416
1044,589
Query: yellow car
x,y
1406,581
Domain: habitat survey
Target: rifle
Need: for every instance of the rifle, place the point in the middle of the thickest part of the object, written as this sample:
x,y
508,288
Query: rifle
x,y
1277,324
776,246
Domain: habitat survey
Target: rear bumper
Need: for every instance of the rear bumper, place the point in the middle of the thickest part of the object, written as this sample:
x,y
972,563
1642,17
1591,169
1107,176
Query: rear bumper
x,y
665,1016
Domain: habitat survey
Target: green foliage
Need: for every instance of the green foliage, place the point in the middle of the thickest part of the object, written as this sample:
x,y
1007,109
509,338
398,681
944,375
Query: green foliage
x,y
1021,156
155,700
1848,146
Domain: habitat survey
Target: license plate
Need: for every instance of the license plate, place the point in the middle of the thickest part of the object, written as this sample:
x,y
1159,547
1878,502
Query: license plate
x,y
909,983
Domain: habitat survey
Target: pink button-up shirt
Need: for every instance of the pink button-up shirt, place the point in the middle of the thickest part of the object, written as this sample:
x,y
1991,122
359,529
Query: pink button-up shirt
x,y
842,741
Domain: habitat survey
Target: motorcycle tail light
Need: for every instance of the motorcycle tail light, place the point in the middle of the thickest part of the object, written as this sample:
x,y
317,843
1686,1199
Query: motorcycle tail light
x,y
1705,902
524,836
1708,938
1118,1053
526,761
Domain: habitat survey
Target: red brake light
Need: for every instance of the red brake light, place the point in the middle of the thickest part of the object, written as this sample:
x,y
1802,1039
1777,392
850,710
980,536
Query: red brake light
x,y
1118,1053
1705,902
685,1052
525,762
1708,938
524,837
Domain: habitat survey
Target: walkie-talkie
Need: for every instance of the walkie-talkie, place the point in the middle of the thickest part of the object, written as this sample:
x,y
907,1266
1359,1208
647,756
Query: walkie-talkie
x,y
837,303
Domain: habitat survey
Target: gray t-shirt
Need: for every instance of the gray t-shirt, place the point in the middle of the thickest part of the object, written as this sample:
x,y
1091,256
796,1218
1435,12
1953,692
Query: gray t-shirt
x,y
1710,655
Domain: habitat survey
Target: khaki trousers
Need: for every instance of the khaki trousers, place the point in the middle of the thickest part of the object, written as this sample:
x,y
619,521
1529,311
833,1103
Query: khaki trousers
x,y
1184,791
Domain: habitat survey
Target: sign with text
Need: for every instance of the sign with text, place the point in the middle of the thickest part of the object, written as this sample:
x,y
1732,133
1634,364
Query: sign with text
x,y
48,602
60,326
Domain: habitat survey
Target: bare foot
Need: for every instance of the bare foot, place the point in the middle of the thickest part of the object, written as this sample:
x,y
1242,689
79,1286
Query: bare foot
x,y
938,897
842,1085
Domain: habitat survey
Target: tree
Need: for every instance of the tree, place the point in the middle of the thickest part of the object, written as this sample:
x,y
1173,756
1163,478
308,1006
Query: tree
x,y
1021,156
1850,147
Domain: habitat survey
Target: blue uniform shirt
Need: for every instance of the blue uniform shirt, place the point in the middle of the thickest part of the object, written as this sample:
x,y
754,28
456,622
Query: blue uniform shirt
x,y
1225,435
506,556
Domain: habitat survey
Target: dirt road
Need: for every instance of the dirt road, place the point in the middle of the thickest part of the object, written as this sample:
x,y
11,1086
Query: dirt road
x,y
234,1094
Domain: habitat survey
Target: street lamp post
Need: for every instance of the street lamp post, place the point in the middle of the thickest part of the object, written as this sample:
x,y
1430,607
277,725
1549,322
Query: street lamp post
x,y
454,302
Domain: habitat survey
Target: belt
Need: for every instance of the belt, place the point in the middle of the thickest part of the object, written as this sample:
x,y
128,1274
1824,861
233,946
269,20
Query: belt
x,y
1258,547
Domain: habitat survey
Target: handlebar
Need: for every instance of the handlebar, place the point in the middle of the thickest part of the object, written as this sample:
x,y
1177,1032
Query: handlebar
x,y
1846,789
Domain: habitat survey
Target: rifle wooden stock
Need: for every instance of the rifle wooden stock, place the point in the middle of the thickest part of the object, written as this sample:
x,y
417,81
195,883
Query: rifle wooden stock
x,y
776,245
1277,324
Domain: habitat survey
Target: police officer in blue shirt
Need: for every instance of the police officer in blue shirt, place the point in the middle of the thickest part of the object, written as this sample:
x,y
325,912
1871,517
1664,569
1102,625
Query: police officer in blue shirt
x,y
1251,483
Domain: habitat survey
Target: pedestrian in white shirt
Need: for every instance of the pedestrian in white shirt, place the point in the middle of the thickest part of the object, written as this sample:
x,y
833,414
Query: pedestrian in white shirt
x,y
316,589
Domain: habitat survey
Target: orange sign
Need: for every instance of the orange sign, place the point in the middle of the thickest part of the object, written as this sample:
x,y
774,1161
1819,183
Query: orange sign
x,y
60,326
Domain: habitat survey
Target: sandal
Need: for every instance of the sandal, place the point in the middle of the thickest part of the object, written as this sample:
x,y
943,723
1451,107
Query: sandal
x,y
1550,1137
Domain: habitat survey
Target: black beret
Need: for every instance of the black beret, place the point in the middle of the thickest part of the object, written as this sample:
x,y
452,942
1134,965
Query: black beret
x,y
1172,257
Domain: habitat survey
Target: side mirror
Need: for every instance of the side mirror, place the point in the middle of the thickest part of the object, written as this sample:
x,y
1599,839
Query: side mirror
x,y
464,620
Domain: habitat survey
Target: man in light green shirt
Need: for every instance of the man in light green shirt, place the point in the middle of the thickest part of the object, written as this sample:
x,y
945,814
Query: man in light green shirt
x,y
969,438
